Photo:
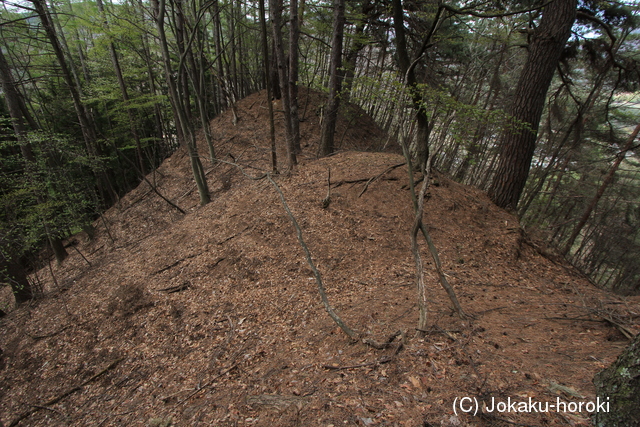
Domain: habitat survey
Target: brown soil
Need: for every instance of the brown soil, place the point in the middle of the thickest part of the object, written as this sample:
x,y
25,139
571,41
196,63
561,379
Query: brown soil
x,y
213,318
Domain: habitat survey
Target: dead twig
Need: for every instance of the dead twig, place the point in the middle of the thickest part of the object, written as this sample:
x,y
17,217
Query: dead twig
x,y
72,390
177,288
169,267
628,333
418,204
233,236
382,346
375,178
153,187
323,295
198,390
52,334
327,200
382,360
80,253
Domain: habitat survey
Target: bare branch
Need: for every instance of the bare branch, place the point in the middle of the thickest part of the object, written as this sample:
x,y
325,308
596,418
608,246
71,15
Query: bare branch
x,y
470,12
606,27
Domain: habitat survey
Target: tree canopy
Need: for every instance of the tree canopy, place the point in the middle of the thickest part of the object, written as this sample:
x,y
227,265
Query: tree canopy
x,y
98,93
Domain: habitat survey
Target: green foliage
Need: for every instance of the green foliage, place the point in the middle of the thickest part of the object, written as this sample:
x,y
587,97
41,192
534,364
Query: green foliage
x,y
467,75
46,198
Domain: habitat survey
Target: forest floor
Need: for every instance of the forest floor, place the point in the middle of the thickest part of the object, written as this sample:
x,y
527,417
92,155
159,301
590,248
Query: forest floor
x,y
213,317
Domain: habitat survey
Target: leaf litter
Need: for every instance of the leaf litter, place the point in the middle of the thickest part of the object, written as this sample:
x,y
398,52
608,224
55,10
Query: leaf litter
x,y
213,317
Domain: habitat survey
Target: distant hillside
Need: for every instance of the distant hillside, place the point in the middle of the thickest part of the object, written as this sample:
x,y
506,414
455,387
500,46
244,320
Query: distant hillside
x,y
213,318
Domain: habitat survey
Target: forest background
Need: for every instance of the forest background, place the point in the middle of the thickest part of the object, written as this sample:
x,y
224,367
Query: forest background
x,y
534,102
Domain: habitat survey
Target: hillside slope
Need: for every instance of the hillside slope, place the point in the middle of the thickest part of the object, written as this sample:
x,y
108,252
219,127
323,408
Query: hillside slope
x,y
213,317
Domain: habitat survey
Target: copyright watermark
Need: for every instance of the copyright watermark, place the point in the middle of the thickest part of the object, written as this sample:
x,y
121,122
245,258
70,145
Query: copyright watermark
x,y
472,405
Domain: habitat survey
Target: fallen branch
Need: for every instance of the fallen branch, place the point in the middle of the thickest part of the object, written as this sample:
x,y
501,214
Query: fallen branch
x,y
80,253
628,333
177,288
323,295
223,372
52,334
418,205
169,267
153,187
356,181
349,181
382,360
233,236
623,329
72,390
389,169
382,346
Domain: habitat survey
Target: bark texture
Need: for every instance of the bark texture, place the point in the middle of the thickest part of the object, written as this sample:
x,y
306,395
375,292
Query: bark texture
x,y
619,387
335,81
518,143
275,9
407,68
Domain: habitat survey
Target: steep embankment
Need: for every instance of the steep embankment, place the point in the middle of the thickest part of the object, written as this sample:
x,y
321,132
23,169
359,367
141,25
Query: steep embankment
x,y
213,318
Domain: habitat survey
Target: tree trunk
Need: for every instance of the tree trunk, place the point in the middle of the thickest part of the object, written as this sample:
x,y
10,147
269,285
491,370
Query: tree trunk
x,y
605,183
407,68
352,56
267,72
167,146
13,272
518,142
196,74
233,75
88,132
182,121
124,93
12,97
294,41
217,39
335,81
618,389
275,9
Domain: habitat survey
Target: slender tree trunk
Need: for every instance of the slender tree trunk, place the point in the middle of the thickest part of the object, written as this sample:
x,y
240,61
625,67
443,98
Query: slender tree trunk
x,y
180,116
167,146
124,93
518,144
605,184
12,271
407,68
352,56
88,132
335,81
267,73
217,39
275,9
81,54
12,98
233,75
197,80
294,41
